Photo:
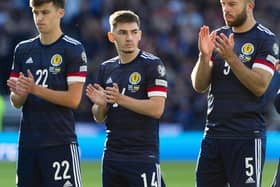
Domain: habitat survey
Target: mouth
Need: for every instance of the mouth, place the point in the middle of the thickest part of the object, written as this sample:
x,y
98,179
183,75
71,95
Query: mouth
x,y
228,17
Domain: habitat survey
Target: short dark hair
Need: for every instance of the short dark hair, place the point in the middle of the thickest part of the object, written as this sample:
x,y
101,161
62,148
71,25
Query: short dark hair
x,y
123,16
57,3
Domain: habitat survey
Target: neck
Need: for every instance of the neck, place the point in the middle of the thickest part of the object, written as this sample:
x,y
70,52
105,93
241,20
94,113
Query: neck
x,y
126,58
248,25
49,38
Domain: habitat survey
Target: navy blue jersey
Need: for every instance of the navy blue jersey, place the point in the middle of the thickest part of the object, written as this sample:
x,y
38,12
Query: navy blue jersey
x,y
53,66
131,135
232,109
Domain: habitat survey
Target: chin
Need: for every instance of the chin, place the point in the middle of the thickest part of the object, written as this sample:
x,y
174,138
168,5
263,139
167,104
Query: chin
x,y
128,51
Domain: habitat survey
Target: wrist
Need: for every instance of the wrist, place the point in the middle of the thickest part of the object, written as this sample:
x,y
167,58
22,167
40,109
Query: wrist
x,y
204,57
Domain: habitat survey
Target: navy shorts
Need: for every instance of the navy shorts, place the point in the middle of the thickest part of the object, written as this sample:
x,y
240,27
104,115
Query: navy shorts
x,y
131,174
276,180
54,166
238,162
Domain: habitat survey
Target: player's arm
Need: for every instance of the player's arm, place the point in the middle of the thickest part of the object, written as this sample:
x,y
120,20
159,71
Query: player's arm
x,y
201,73
99,109
16,100
153,107
256,79
18,95
277,102
277,98
68,98
99,112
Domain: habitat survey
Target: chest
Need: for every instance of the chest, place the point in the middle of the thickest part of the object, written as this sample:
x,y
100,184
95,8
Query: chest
x,y
131,79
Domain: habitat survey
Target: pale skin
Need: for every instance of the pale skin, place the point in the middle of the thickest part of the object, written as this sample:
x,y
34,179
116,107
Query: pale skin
x,y
256,80
126,37
47,19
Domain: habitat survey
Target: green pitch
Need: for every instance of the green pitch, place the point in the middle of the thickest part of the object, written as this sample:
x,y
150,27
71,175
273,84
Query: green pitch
x,y
176,174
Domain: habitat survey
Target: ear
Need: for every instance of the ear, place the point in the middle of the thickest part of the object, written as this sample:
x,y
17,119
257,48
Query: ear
x,y
140,35
110,37
251,4
61,12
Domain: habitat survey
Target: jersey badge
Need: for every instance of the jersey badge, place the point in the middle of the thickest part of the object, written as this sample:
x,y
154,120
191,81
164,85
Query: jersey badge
x,y
247,50
56,60
134,80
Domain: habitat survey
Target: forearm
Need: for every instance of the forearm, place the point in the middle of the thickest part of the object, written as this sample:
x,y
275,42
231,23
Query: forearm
x,y
255,80
99,112
201,74
152,107
68,98
16,100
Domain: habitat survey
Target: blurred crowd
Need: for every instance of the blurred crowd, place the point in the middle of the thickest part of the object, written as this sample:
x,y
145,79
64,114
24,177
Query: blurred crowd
x,y
169,28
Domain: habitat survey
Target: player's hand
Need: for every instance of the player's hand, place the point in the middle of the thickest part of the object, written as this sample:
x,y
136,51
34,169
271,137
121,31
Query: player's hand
x,y
225,46
96,94
112,94
26,84
11,83
206,41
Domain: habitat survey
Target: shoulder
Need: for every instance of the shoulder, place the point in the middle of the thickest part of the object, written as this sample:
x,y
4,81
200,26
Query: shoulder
x,y
70,41
26,44
264,31
110,61
149,58
72,44
267,39
223,29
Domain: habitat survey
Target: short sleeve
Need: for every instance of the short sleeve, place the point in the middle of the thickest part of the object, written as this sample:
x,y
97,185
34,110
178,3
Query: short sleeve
x,y
157,84
77,64
267,54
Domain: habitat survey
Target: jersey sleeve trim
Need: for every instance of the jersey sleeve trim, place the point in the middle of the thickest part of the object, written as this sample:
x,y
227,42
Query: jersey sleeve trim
x,y
76,77
14,75
157,91
265,65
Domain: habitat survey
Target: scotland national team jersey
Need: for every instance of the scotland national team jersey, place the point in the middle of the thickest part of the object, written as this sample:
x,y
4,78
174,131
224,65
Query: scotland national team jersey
x,y
132,136
53,66
232,109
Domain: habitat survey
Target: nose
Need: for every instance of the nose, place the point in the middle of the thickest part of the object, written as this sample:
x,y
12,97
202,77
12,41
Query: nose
x,y
226,8
129,36
38,17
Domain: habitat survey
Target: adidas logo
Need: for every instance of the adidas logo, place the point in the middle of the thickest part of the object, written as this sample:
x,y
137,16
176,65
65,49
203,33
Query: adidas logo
x,y
109,80
68,184
29,61
250,180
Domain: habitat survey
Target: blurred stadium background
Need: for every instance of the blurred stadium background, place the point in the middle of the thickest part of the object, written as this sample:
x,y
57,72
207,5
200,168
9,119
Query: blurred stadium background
x,y
170,30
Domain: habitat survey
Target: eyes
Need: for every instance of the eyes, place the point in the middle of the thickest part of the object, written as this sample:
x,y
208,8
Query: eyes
x,y
43,12
230,4
126,32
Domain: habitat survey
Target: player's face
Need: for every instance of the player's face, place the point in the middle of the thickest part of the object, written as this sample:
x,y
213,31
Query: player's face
x,y
126,37
47,17
234,12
